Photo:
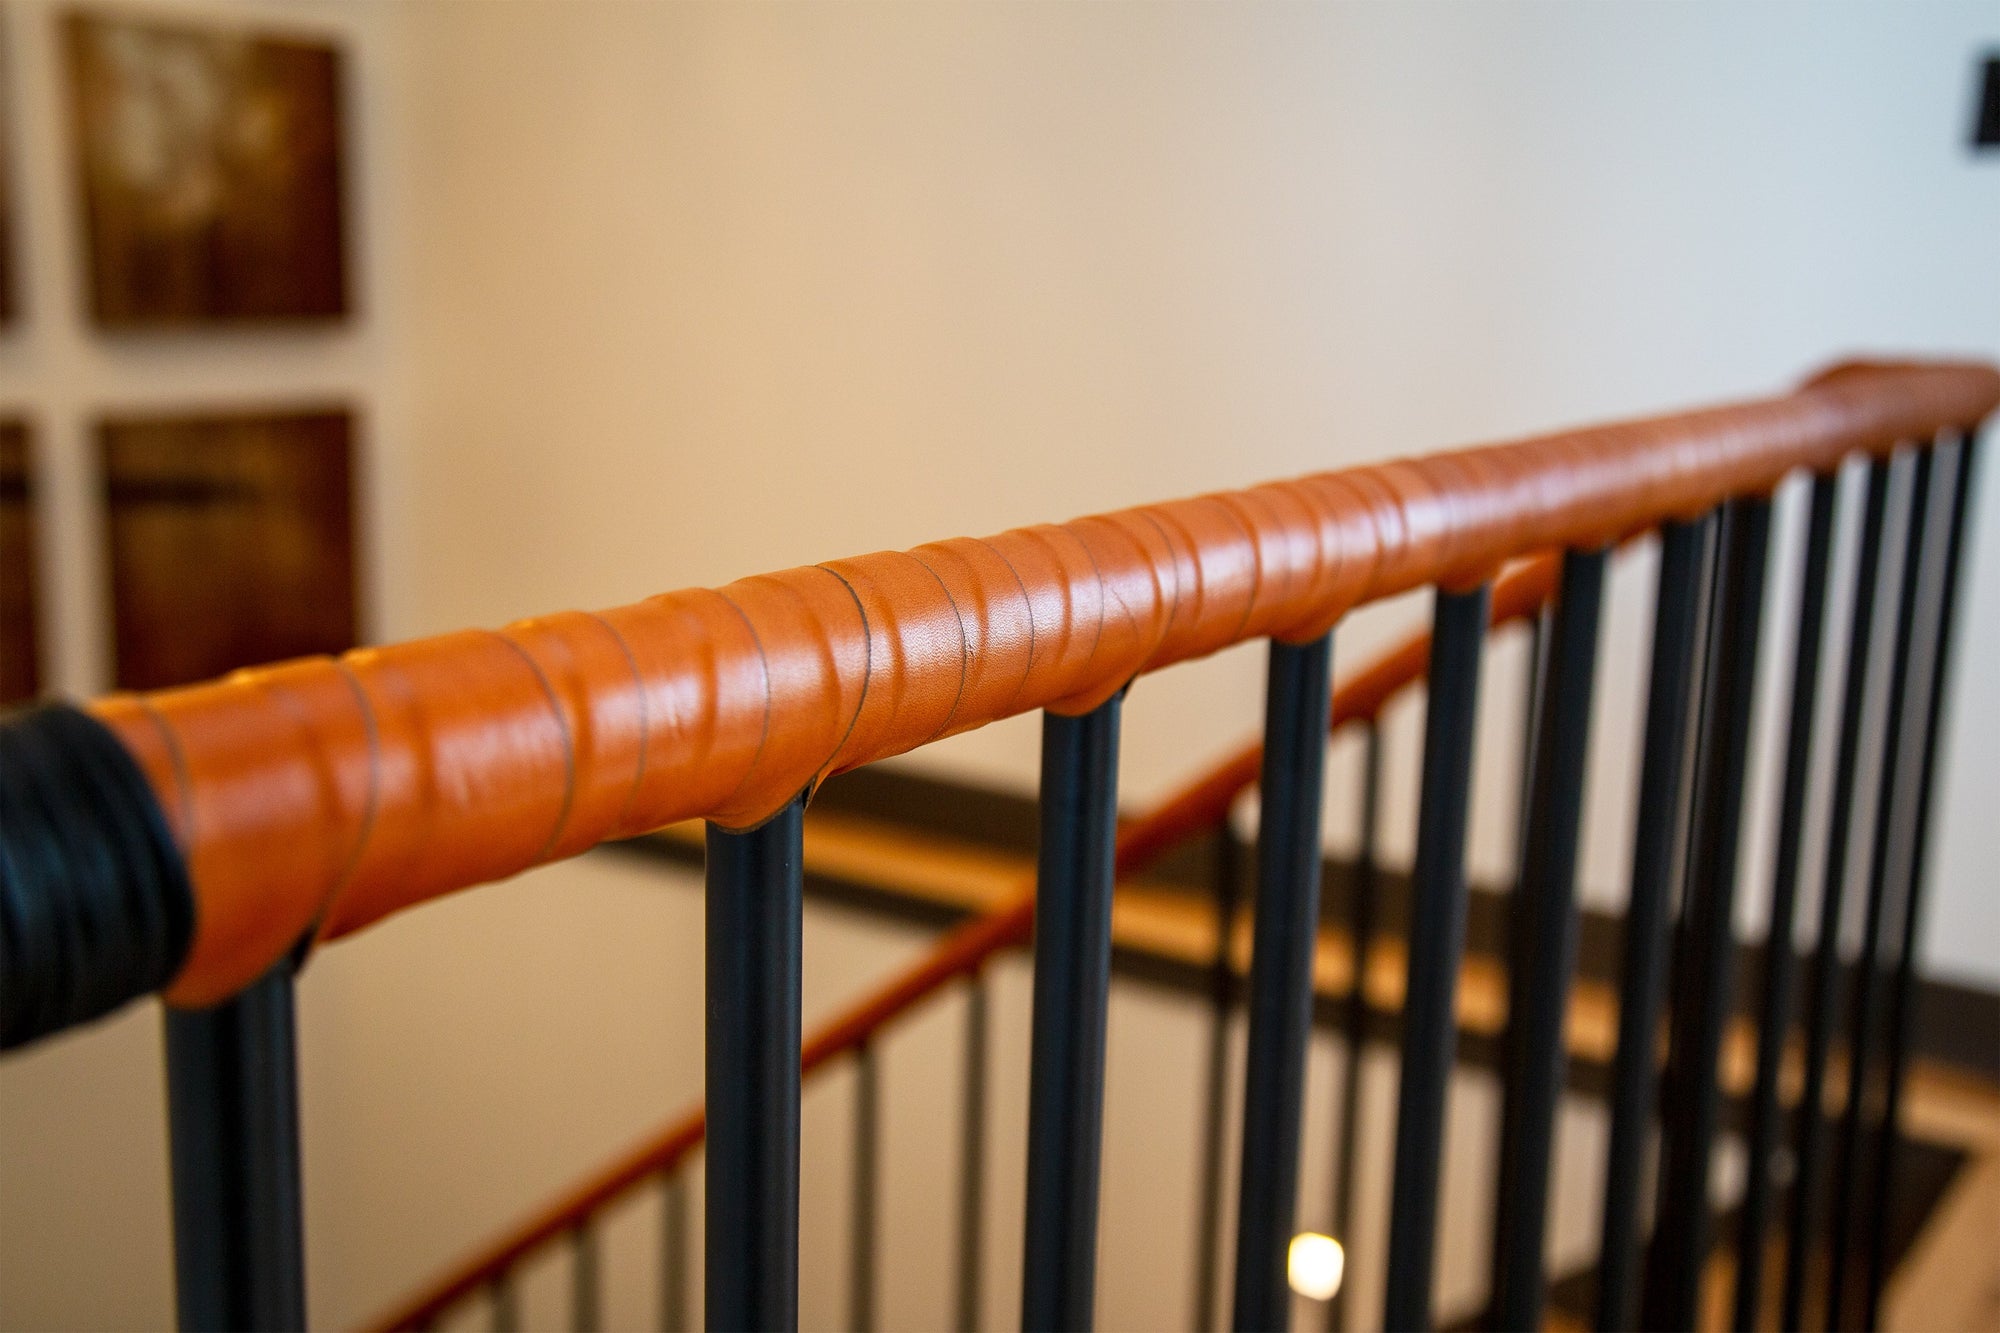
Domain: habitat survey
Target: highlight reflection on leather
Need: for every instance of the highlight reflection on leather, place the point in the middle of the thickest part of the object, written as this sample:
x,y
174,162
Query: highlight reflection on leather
x,y
321,795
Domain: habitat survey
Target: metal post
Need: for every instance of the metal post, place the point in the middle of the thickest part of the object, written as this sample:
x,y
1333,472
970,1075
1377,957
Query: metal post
x,y
1538,665
584,1269
506,1303
1705,948
1227,876
1361,925
1298,702
1544,927
1079,829
1775,1020
1656,858
1437,943
1823,983
972,1156
755,886
861,1219
233,1121
1901,993
1889,795
673,1253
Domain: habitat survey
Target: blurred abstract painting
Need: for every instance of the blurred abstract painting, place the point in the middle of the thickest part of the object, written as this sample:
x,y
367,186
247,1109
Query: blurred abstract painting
x,y
210,166
231,541
20,643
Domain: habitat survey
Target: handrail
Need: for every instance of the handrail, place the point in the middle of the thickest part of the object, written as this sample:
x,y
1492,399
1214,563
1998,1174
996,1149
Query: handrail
x,y
1197,807
312,798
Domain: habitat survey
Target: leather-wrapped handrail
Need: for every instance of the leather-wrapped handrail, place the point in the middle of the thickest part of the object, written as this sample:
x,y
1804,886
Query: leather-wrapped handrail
x,y
1199,807
313,797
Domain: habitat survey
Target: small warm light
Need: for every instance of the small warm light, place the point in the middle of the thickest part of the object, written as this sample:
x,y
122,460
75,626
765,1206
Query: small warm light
x,y
1314,1265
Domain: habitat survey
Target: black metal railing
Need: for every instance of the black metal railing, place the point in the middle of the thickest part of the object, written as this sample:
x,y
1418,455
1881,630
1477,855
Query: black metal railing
x,y
1680,947
231,1067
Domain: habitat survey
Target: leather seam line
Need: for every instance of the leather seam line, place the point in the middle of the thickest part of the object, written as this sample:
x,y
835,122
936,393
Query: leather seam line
x,y
645,720
374,799
964,650
183,780
568,738
763,665
867,676
1028,605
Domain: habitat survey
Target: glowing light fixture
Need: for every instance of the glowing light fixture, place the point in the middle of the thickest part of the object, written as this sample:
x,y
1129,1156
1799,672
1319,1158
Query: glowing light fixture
x,y
1314,1265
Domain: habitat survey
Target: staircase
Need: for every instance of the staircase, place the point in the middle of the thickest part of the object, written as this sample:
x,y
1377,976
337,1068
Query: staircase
x,y
202,842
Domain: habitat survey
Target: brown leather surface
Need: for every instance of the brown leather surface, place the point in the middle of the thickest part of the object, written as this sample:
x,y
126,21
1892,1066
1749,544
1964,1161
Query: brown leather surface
x,y
321,795
1195,809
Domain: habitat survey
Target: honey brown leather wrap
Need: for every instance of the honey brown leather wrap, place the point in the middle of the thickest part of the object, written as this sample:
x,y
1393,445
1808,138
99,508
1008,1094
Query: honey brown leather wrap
x,y
1195,809
317,796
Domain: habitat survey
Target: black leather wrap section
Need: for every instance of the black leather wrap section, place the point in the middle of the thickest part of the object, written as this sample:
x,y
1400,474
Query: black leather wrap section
x,y
95,906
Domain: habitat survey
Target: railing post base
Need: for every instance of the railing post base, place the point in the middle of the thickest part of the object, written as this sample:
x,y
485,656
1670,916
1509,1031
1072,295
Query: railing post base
x,y
756,885
233,1128
1072,991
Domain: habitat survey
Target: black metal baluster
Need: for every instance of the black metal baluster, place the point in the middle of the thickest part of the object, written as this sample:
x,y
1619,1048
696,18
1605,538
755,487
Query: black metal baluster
x,y
1079,814
506,1303
972,1155
755,883
1656,857
861,1218
1361,925
1823,983
1889,793
584,1270
1544,928
1705,946
1227,886
1538,664
1298,699
1775,1018
233,1120
1437,943
673,1253
1901,992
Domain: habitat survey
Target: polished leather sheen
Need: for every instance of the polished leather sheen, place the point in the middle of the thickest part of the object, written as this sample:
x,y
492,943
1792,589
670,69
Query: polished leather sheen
x,y
1197,808
314,797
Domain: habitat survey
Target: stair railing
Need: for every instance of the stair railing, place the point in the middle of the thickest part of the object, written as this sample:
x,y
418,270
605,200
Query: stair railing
x,y
1199,807
198,842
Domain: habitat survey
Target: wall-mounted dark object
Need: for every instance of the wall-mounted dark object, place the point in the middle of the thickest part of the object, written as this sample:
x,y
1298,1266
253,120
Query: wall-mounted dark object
x,y
1986,124
10,302
20,643
210,165
231,542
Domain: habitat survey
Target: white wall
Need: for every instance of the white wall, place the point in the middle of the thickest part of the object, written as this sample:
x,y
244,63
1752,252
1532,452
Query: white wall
x,y
699,291
655,296
83,1189
63,374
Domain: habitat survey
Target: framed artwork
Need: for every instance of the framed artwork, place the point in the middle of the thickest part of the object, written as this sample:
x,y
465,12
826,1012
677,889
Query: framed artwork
x,y
9,302
210,164
20,641
9,298
231,541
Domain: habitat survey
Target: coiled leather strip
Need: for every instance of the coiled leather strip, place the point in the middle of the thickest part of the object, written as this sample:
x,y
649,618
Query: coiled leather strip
x,y
321,795
1142,840
95,907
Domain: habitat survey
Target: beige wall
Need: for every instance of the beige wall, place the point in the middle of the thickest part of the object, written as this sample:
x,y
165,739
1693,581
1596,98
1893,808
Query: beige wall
x,y
83,1192
661,295
703,291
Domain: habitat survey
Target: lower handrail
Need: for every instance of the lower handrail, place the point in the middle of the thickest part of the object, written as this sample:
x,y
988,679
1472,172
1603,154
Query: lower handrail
x,y
1196,808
